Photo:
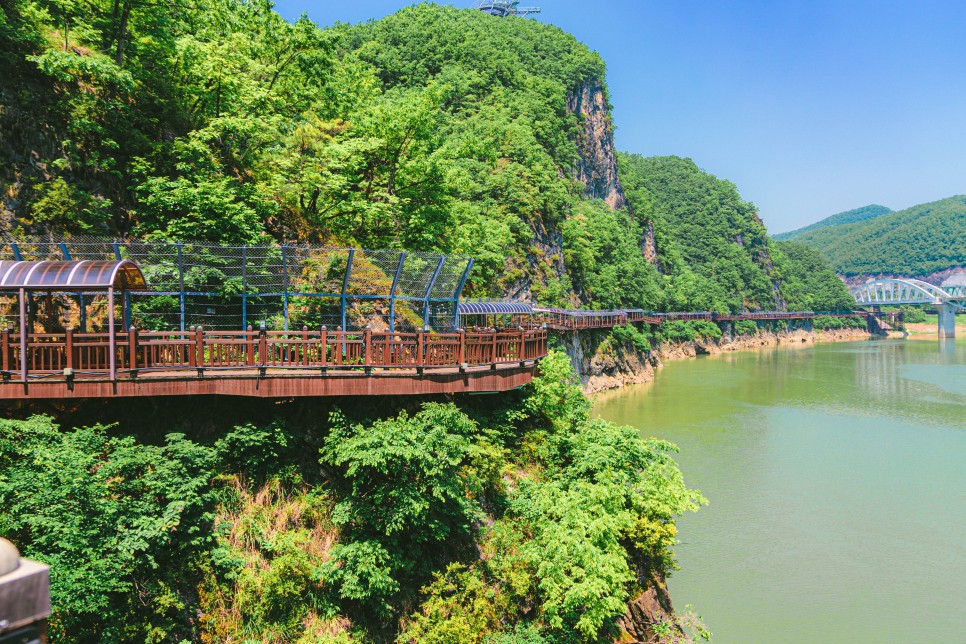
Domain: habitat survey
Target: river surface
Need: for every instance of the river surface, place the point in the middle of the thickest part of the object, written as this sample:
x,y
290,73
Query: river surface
x,y
837,481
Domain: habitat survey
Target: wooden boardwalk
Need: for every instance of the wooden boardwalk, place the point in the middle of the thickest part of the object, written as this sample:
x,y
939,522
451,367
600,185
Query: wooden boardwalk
x,y
306,363
269,364
577,320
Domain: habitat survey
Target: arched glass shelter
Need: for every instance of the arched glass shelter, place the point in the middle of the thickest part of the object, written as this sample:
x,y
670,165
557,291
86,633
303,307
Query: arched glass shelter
x,y
78,277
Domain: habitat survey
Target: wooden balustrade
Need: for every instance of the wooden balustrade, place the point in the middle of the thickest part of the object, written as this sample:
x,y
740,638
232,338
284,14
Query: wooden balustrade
x,y
74,354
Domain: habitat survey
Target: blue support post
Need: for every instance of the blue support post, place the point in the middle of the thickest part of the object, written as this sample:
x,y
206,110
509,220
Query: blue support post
x,y
392,293
429,290
181,285
284,288
64,251
459,293
126,313
345,286
16,251
244,290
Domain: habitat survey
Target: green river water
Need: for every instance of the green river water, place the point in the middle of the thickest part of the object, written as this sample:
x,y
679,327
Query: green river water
x,y
837,481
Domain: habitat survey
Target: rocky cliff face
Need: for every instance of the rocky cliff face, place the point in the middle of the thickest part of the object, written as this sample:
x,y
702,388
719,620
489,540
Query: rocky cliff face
x,y
597,164
604,364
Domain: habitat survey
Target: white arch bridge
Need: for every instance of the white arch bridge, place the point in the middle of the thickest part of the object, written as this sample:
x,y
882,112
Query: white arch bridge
x,y
903,291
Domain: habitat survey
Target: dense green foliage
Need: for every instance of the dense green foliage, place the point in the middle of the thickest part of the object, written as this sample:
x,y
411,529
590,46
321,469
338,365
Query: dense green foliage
x,y
117,521
533,523
432,129
824,322
807,282
632,336
848,217
712,248
746,328
688,331
917,241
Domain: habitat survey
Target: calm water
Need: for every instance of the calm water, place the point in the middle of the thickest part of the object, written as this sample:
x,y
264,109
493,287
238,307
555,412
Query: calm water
x,y
837,481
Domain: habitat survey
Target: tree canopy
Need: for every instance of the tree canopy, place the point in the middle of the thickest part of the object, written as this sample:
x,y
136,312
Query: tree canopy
x,y
848,217
918,241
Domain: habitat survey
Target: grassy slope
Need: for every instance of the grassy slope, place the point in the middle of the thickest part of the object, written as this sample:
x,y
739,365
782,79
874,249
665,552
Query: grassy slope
x,y
848,217
917,241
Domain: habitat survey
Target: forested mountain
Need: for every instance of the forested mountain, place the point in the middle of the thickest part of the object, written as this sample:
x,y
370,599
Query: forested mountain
x,y
918,241
432,129
713,250
848,217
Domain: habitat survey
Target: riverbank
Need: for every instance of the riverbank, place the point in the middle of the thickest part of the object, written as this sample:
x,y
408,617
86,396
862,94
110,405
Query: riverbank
x,y
604,364
929,330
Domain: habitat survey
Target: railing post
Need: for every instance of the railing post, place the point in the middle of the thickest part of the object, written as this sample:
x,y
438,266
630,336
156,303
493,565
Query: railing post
x,y
421,349
367,346
367,360
132,344
323,333
6,351
192,353
249,347
305,346
493,347
461,349
200,348
262,348
520,346
68,349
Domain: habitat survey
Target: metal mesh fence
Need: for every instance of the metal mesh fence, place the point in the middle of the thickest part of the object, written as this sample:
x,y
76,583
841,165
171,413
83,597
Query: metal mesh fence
x,y
282,286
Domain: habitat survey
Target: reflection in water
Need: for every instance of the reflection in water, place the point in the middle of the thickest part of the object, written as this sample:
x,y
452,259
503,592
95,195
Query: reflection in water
x,y
837,488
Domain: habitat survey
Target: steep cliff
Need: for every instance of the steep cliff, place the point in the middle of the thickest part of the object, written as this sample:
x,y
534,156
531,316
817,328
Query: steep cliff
x,y
597,165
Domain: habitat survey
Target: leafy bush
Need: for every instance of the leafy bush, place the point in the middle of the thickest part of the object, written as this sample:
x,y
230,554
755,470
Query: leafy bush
x,y
121,524
914,315
633,336
824,322
689,330
746,328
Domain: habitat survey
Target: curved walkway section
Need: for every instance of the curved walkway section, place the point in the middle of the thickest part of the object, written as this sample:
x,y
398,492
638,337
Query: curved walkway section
x,y
579,320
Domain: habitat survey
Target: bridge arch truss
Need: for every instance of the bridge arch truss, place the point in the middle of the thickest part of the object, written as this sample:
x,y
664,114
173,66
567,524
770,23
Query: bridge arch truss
x,y
890,292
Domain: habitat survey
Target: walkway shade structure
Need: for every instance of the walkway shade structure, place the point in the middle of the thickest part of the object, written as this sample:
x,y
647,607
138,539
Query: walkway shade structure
x,y
285,286
80,277
493,313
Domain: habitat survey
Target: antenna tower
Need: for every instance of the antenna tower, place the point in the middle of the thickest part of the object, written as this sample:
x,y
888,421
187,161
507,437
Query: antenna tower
x,y
504,9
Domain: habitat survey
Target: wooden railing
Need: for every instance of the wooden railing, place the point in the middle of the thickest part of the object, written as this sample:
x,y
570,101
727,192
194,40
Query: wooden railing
x,y
74,354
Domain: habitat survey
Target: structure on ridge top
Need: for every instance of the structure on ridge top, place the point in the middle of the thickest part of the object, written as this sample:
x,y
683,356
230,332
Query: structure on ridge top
x,y
503,9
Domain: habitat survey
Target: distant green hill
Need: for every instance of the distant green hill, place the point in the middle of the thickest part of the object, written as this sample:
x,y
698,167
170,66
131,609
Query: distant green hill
x,y
917,241
848,217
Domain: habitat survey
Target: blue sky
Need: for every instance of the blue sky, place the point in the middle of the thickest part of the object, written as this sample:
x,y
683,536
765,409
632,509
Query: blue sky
x,y
810,107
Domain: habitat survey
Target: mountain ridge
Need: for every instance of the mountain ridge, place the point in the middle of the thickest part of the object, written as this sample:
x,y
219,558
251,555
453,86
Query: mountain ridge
x,y
839,219
918,241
